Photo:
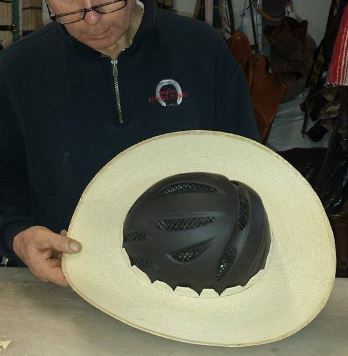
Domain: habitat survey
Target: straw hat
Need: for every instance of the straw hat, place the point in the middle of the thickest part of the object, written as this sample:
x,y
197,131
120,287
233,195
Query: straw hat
x,y
278,301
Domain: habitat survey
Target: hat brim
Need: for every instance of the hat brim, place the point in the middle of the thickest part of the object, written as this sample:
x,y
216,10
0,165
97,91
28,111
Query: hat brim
x,y
289,293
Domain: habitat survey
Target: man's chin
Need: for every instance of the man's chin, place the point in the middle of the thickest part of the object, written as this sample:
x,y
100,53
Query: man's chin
x,y
98,44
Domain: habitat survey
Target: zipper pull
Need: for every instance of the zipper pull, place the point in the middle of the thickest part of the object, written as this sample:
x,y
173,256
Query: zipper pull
x,y
114,67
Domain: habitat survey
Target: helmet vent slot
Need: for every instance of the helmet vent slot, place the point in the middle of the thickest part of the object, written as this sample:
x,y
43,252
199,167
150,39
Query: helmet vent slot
x,y
184,224
134,236
243,212
226,263
192,252
188,188
143,263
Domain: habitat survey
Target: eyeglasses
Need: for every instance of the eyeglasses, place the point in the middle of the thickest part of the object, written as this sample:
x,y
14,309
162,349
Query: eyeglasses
x,y
75,16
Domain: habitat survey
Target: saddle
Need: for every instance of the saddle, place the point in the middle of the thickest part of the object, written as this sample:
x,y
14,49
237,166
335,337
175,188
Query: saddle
x,y
266,92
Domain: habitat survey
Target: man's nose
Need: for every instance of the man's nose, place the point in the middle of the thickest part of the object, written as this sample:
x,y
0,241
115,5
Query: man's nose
x,y
92,17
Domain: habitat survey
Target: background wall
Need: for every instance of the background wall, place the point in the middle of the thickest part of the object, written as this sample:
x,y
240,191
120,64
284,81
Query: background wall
x,y
316,12
187,7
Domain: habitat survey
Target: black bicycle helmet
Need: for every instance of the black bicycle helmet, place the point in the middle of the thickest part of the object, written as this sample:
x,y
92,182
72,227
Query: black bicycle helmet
x,y
198,230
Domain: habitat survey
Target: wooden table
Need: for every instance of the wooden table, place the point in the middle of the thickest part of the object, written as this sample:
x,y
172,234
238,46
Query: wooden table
x,y
45,320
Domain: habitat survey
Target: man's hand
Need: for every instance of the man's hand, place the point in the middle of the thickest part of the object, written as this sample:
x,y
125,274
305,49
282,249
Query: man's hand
x,y
41,250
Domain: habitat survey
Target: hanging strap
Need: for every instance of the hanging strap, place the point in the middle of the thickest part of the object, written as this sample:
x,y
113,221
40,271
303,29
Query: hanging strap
x,y
231,16
256,43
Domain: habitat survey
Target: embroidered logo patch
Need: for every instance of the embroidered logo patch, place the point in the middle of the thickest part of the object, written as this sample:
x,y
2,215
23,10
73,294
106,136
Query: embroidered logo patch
x,y
168,93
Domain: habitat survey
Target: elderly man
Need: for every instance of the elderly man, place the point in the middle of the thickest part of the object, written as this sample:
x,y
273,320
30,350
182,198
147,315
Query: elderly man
x,y
101,77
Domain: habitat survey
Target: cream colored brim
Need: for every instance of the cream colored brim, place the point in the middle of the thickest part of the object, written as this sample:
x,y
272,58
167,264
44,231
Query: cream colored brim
x,y
292,290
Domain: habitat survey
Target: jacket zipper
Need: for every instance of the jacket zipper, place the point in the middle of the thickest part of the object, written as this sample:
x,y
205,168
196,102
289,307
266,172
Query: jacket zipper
x,y
117,90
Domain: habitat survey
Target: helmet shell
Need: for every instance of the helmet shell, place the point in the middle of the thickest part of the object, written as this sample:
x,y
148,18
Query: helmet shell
x,y
198,230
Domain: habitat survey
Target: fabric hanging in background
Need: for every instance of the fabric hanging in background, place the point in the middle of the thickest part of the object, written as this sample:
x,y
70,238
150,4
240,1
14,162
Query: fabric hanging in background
x,y
338,70
323,53
322,102
328,105
338,77
291,54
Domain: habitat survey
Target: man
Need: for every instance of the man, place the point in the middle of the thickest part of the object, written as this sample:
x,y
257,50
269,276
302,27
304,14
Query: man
x,y
102,77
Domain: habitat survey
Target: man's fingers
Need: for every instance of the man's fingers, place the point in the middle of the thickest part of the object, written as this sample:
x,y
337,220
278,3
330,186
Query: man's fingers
x,y
56,274
59,243
41,250
50,270
63,232
56,254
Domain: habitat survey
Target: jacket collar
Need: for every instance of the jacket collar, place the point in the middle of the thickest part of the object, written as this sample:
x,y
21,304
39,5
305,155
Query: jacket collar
x,y
147,23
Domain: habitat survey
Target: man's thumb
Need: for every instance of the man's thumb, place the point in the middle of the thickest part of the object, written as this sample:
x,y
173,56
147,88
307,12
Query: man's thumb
x,y
74,246
65,244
